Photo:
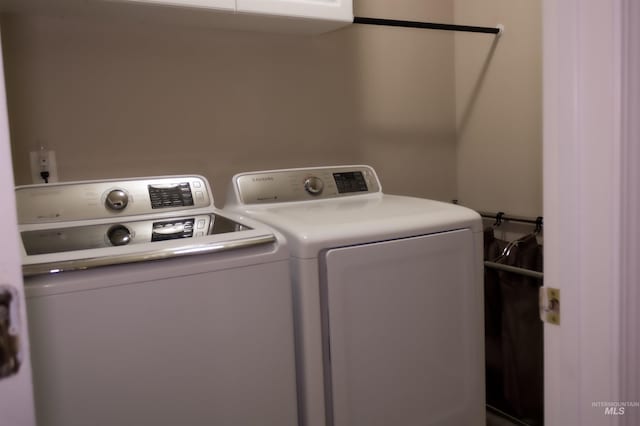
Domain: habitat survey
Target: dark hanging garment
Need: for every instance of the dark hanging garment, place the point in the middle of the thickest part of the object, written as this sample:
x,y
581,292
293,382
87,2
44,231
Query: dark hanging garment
x,y
493,321
522,338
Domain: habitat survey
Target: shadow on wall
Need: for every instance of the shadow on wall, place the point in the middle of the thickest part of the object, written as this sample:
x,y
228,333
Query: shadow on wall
x,y
475,92
406,108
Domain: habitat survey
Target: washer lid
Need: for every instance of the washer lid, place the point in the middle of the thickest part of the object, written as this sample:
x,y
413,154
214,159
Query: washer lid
x,y
69,246
60,238
315,225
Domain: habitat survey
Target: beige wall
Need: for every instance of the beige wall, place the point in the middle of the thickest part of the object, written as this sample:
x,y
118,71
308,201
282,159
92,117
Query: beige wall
x,y
406,105
117,98
498,89
439,114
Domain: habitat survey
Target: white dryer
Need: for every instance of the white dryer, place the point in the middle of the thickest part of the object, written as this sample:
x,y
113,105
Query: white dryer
x,y
147,307
388,297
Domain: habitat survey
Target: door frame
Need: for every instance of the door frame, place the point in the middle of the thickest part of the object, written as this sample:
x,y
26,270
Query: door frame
x,y
16,393
591,79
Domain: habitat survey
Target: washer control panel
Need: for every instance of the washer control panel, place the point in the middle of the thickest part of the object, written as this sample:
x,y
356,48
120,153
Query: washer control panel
x,y
105,199
304,184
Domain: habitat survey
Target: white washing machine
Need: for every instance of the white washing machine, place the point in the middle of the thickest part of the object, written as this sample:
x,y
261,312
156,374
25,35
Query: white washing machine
x,y
148,307
388,297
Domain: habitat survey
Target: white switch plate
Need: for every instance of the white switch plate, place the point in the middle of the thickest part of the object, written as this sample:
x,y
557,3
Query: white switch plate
x,y
52,166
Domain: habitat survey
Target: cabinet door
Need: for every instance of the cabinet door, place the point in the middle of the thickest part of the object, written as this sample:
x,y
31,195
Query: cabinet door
x,y
337,10
202,4
403,320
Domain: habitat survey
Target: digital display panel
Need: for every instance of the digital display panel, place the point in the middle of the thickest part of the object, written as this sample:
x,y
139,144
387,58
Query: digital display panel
x,y
170,196
350,182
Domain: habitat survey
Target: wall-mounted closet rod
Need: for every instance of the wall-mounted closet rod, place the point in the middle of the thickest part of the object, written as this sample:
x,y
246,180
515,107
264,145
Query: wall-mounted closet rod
x,y
514,269
500,216
428,25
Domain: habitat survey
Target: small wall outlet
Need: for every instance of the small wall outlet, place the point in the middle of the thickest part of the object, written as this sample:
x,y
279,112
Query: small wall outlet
x,y
43,161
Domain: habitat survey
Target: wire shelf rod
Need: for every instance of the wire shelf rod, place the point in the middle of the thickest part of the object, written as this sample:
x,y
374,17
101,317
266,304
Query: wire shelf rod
x,y
428,25
501,216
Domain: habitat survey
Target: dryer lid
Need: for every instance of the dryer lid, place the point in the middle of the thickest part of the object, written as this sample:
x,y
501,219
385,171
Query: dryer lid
x,y
313,226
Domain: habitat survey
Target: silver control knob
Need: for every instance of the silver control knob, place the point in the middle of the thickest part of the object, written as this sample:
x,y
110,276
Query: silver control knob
x,y
119,235
116,199
313,185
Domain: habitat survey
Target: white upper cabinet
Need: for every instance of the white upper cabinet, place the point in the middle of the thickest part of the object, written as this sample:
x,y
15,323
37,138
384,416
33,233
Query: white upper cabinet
x,y
280,16
336,10
228,5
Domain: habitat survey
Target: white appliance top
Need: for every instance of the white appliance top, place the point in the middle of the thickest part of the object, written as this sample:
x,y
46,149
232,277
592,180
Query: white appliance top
x,y
81,225
349,208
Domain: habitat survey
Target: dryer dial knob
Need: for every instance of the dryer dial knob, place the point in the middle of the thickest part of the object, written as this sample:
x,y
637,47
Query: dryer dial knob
x,y
116,200
119,235
313,185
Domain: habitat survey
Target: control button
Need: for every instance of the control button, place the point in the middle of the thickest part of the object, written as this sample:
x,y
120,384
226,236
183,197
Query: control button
x,y
313,185
119,235
116,200
201,223
199,196
197,184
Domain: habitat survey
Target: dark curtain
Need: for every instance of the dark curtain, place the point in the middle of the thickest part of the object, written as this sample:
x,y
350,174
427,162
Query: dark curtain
x,y
513,330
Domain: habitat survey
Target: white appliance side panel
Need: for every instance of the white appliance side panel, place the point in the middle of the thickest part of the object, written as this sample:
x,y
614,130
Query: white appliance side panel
x,y
208,349
308,326
406,332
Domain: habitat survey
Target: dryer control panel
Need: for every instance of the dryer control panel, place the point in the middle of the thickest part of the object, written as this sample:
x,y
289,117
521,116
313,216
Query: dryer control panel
x,y
304,184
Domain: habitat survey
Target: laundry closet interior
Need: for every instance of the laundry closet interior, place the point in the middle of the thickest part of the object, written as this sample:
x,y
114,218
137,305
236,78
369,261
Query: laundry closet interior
x,y
447,115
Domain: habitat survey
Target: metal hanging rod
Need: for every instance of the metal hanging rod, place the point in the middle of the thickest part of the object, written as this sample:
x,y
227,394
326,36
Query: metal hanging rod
x,y
428,25
514,269
501,216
